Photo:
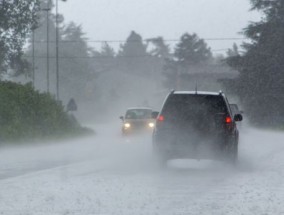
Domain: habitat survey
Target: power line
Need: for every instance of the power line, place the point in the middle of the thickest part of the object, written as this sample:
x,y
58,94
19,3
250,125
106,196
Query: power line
x,y
102,56
90,57
136,41
219,50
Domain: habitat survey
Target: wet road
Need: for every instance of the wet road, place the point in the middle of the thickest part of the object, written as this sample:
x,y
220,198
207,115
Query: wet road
x,y
109,174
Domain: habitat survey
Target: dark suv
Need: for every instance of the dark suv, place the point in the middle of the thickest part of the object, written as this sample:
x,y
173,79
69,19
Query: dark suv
x,y
195,124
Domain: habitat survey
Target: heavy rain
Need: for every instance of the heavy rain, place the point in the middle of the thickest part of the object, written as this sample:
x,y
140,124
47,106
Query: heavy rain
x,y
141,107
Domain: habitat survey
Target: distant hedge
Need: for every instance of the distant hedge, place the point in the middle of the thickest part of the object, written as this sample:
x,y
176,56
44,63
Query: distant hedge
x,y
26,114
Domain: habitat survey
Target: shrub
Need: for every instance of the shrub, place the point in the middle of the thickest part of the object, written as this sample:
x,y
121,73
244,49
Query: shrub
x,y
26,113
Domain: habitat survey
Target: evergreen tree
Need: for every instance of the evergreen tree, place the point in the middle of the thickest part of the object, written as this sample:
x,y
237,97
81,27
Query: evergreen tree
x,y
160,53
160,50
38,41
105,59
234,51
191,50
133,56
75,62
190,53
107,50
133,47
261,80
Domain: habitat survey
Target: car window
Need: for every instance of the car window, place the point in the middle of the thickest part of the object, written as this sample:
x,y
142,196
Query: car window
x,y
138,114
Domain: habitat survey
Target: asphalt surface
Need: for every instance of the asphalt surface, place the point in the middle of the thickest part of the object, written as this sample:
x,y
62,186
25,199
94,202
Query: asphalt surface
x,y
111,174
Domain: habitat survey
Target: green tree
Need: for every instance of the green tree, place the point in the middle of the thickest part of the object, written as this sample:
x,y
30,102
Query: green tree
x,y
133,47
75,66
38,41
191,50
107,50
105,59
161,49
133,56
261,80
234,51
75,62
160,52
190,53
17,18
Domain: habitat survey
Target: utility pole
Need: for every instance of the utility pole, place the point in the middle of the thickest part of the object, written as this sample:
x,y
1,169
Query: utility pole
x,y
57,52
47,45
33,74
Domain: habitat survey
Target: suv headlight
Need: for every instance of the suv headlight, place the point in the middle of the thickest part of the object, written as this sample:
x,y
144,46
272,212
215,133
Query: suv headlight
x,y
151,124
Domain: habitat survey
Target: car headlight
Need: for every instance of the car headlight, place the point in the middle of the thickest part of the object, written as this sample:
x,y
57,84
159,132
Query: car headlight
x,y
127,125
151,124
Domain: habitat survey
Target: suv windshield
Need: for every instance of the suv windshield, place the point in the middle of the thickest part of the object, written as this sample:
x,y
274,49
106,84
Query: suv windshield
x,y
180,106
138,114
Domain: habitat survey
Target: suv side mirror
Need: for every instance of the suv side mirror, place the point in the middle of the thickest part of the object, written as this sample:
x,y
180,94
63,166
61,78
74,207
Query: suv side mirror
x,y
154,114
121,117
238,117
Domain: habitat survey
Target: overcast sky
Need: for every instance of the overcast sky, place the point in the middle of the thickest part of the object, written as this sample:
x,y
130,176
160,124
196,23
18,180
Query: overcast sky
x,y
114,19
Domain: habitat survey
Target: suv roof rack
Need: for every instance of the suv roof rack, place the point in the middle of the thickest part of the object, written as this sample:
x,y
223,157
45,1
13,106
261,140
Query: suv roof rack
x,y
172,91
